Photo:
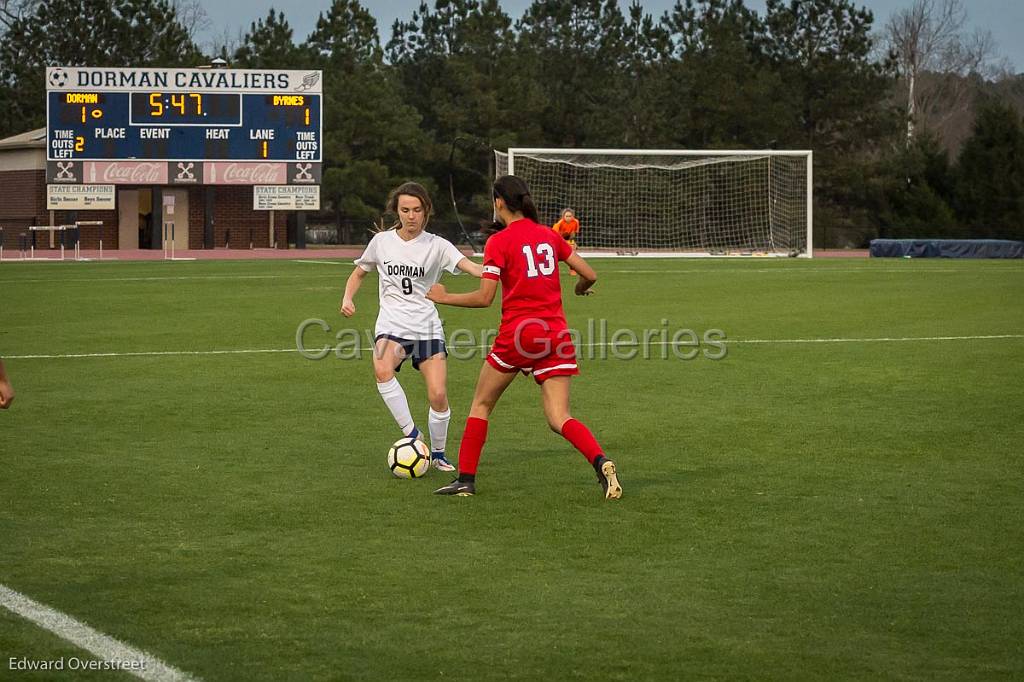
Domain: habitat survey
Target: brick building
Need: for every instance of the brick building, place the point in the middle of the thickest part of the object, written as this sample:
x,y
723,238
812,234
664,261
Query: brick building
x,y
204,216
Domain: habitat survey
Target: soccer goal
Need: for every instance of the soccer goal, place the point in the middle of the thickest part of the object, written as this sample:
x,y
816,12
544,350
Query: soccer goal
x,y
642,202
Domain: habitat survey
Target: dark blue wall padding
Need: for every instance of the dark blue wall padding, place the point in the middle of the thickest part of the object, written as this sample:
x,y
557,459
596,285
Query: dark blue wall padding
x,y
946,248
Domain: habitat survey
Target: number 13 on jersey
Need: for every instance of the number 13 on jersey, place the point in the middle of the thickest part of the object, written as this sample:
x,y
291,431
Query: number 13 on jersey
x,y
545,256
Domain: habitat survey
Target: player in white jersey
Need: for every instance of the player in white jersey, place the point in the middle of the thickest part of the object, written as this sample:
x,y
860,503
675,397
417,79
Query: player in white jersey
x,y
409,261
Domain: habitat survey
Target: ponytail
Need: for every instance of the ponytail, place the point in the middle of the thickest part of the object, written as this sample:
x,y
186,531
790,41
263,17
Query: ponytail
x,y
516,195
529,210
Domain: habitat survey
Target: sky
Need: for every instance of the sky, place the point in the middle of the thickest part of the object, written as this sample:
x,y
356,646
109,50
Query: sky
x,y
1003,18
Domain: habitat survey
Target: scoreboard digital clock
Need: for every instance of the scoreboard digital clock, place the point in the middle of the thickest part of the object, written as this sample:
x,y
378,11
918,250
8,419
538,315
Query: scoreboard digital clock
x,y
183,115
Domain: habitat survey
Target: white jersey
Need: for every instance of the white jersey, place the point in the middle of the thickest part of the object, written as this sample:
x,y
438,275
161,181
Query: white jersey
x,y
407,270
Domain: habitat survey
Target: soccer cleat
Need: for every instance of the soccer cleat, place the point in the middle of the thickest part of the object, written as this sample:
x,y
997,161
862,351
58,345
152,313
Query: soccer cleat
x,y
438,461
609,481
458,488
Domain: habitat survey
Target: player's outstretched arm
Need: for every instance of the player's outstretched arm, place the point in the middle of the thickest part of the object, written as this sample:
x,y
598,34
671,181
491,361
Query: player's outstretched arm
x,y
481,298
470,267
587,275
355,280
6,390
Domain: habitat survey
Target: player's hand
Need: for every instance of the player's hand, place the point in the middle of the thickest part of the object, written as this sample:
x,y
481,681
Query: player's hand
x,y
437,293
348,308
581,291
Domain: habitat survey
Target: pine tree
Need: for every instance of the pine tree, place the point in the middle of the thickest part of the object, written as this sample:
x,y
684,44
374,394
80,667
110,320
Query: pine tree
x,y
269,45
121,33
721,92
823,53
372,138
990,174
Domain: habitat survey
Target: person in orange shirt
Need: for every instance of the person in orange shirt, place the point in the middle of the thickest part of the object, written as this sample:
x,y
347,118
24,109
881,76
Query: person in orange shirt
x,y
568,227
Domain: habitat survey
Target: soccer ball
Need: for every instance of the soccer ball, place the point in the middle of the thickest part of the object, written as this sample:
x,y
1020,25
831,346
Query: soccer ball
x,y
409,458
58,78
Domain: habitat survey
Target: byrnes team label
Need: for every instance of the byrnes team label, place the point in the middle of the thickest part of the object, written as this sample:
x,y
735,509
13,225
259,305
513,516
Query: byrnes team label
x,y
96,114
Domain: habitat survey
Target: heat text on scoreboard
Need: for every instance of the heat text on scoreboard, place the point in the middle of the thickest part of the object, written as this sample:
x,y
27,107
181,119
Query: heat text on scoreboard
x,y
183,115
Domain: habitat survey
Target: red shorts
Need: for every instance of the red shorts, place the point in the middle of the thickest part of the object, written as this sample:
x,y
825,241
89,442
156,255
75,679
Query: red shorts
x,y
534,348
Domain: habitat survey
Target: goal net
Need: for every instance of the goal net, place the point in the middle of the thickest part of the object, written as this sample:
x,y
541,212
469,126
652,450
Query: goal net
x,y
688,203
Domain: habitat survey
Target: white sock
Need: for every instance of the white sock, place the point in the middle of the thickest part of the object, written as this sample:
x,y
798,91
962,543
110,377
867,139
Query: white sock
x,y
394,398
437,422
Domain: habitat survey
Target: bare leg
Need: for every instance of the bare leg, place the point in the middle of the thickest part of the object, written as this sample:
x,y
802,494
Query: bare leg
x,y
435,374
555,395
489,386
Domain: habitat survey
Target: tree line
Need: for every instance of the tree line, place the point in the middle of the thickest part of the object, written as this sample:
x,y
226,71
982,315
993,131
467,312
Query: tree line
x,y
430,98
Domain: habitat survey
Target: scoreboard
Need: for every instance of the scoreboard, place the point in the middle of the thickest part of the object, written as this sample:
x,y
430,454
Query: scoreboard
x,y
193,116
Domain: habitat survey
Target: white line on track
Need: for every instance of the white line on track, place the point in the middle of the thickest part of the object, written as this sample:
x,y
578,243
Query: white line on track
x,y
101,646
162,279
621,344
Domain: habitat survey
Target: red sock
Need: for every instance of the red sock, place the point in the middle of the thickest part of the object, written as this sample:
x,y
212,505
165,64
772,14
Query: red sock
x,y
472,444
582,439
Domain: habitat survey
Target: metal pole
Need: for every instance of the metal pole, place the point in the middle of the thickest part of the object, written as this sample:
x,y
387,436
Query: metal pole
x,y
810,205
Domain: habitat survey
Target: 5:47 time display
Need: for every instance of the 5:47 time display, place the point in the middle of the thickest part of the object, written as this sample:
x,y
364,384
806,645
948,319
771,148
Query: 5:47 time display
x,y
186,108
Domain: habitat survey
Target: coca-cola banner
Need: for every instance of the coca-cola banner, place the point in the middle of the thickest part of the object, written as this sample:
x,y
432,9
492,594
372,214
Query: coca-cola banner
x,y
125,172
181,173
230,173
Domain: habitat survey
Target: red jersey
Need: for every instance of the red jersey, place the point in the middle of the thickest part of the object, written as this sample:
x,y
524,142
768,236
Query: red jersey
x,y
524,257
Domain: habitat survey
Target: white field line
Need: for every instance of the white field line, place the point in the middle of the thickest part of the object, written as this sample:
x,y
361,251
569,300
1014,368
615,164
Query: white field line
x,y
323,262
882,339
126,658
803,271
162,279
619,344
153,353
663,271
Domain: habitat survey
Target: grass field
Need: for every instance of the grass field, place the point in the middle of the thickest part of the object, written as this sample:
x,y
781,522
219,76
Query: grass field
x,y
821,505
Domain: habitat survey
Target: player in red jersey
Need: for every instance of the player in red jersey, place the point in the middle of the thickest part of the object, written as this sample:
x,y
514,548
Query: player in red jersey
x,y
534,336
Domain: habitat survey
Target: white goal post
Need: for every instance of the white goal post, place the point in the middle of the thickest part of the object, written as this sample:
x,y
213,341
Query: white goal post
x,y
644,202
